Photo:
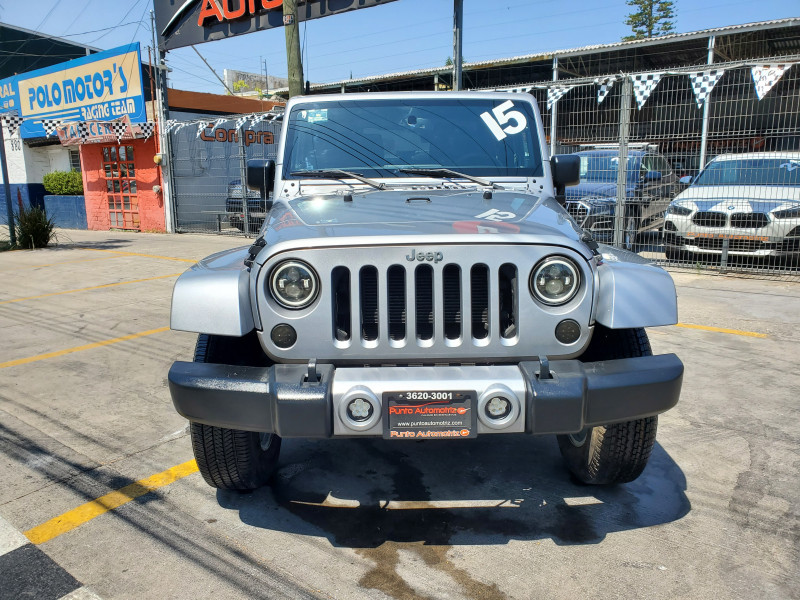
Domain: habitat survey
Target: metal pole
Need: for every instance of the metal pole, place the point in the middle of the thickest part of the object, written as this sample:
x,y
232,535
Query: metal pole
x,y
294,58
554,112
165,146
210,68
12,235
712,40
243,165
622,169
458,27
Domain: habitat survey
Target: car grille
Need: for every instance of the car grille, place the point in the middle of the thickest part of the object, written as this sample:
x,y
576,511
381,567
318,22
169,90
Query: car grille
x,y
710,219
733,245
749,220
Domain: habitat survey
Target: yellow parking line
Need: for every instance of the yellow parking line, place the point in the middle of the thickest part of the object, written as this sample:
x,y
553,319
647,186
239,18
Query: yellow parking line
x,y
86,289
723,330
189,260
30,359
86,512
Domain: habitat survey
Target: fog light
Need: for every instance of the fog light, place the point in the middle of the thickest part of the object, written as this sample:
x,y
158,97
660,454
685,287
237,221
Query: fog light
x,y
283,335
498,407
360,410
568,331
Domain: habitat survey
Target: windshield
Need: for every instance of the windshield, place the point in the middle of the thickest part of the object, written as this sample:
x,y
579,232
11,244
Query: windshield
x,y
751,171
604,167
377,138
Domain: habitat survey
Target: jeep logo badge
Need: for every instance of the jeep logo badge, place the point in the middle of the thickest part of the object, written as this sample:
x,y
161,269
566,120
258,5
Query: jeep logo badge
x,y
433,257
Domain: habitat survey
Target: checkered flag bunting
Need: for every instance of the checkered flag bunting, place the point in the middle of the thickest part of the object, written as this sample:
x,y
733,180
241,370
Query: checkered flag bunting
x,y
643,86
201,126
241,121
119,128
766,76
13,121
555,93
147,128
171,124
604,87
50,126
703,82
217,123
257,119
83,130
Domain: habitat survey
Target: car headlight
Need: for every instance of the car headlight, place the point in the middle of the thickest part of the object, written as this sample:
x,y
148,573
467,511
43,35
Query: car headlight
x,y
677,209
555,280
789,213
293,284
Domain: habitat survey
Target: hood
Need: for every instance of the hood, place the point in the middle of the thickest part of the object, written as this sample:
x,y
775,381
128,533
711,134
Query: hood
x,y
595,189
739,198
418,212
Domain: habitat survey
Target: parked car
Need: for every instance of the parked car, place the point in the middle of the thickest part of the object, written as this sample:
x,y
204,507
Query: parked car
x,y
651,185
751,201
256,207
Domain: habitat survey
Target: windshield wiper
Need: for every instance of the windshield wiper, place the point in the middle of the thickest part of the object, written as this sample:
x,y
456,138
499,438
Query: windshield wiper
x,y
442,172
337,174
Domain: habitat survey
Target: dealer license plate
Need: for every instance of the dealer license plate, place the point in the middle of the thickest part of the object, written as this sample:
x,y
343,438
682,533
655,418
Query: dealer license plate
x,y
429,415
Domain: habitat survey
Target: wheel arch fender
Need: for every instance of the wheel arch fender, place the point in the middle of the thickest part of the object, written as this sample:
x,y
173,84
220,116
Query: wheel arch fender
x,y
214,296
633,292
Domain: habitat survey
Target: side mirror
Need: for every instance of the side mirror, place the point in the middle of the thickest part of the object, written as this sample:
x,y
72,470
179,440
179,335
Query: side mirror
x,y
566,170
261,176
686,180
653,176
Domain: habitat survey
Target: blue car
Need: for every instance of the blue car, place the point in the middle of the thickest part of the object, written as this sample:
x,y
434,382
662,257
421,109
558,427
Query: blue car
x,y
651,185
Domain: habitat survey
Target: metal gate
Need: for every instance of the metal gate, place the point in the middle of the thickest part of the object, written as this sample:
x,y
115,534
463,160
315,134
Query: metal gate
x,y
208,165
739,120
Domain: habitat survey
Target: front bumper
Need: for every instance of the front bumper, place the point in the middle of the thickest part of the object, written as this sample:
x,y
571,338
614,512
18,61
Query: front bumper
x,y
281,399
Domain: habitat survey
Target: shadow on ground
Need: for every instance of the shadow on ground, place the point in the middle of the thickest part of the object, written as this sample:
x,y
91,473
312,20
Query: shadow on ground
x,y
363,493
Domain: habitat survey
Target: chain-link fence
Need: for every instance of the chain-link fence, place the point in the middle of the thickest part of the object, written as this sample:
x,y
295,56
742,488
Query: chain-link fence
x,y
209,159
741,121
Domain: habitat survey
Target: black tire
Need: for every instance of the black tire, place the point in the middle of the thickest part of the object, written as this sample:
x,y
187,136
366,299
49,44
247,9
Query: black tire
x,y
232,459
615,453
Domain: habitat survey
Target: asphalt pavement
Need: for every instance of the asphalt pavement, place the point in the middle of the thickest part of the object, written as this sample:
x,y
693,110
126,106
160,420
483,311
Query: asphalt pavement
x,y
101,498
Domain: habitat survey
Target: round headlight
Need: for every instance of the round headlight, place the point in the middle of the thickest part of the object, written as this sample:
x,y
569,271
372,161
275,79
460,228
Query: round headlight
x,y
555,280
293,284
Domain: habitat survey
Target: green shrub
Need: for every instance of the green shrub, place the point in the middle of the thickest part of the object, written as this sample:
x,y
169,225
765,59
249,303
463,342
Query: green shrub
x,y
34,228
63,183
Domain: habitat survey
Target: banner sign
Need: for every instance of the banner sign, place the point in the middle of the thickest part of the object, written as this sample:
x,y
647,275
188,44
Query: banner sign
x,y
189,22
100,87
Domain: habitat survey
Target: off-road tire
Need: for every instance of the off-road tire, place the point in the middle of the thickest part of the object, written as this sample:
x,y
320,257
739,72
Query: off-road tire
x,y
615,453
232,459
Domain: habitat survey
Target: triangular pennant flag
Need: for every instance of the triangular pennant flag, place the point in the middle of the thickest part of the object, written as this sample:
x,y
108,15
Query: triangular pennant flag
x,y
241,121
202,126
217,123
257,119
169,125
766,76
13,121
50,126
83,130
555,93
703,82
643,86
604,87
147,129
119,128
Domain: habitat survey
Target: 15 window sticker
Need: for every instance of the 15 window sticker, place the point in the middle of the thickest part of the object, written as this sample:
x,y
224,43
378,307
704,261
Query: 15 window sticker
x,y
502,115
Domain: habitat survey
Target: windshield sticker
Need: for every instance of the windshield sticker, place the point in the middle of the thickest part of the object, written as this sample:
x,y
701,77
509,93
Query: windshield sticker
x,y
791,165
502,116
496,215
317,115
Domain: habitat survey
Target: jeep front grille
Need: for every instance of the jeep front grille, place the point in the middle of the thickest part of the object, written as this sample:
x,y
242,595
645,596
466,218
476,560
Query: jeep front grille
x,y
378,306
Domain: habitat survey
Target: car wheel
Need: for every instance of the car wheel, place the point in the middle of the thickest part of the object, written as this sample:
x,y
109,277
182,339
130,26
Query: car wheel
x,y
617,453
232,459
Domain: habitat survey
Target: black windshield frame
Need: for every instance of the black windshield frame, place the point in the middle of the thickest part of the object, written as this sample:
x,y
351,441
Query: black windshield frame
x,y
377,138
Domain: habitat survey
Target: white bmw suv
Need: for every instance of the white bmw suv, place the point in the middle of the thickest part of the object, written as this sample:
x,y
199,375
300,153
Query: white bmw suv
x,y
749,202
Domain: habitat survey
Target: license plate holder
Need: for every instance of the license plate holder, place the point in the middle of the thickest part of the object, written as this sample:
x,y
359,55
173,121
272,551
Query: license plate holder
x,y
425,414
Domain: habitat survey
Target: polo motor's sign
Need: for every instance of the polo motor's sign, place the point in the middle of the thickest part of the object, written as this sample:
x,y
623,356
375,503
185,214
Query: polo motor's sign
x,y
188,22
100,87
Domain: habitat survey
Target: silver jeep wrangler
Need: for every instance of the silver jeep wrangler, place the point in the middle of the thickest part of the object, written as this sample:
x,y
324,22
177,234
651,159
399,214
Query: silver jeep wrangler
x,y
417,277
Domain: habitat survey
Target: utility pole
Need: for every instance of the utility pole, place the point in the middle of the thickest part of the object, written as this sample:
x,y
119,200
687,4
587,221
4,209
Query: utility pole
x,y
458,27
12,234
160,73
293,57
